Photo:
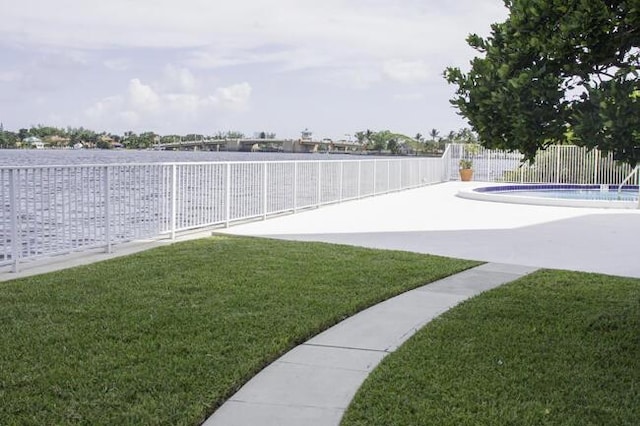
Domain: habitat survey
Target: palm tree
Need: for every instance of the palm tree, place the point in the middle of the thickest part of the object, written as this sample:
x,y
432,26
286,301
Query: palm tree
x,y
434,133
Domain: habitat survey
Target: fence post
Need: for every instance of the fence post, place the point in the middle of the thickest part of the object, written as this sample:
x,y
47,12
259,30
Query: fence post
x,y
596,164
558,153
227,202
388,175
295,186
174,195
359,178
319,190
375,175
15,235
264,191
107,208
340,180
400,173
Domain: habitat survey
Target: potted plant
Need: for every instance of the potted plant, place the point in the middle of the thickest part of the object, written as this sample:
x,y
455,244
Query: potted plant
x,y
465,169
466,162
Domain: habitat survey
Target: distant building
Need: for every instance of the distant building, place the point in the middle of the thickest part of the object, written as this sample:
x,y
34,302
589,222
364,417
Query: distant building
x,y
306,135
56,140
33,142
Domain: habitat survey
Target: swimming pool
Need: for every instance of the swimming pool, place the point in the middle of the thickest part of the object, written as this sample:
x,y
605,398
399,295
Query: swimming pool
x,y
565,195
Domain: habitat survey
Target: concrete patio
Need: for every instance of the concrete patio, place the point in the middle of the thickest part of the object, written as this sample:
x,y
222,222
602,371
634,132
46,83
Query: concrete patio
x,y
433,220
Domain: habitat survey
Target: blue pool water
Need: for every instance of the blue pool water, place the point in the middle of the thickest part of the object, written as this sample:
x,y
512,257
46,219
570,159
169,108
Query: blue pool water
x,y
606,196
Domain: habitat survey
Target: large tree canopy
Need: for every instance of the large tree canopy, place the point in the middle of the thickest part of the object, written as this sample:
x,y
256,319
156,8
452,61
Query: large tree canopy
x,y
556,70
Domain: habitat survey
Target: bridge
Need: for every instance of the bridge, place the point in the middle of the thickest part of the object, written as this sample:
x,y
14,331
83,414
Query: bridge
x,y
256,144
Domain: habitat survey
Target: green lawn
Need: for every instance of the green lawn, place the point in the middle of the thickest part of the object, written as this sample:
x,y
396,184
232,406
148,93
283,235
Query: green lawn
x,y
554,348
165,336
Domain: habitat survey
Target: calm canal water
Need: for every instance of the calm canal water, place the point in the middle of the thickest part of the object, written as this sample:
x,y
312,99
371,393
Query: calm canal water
x,y
41,157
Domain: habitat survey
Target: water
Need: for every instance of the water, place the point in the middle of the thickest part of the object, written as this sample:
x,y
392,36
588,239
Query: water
x,y
44,157
578,194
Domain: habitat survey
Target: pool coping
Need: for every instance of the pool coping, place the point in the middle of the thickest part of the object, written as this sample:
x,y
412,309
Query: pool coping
x,y
486,193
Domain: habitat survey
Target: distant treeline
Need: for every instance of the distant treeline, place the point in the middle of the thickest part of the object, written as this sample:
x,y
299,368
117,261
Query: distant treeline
x,y
55,137
378,141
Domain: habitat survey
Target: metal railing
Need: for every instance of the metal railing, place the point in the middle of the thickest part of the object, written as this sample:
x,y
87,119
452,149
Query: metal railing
x,y
556,164
51,210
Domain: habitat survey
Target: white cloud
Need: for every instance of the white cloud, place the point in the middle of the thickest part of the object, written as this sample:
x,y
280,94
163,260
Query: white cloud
x,y
117,64
406,71
409,96
234,32
142,96
358,78
10,76
151,105
178,79
104,107
234,98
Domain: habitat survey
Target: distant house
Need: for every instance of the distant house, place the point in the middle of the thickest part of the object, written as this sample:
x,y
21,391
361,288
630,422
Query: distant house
x,y
406,149
56,141
33,142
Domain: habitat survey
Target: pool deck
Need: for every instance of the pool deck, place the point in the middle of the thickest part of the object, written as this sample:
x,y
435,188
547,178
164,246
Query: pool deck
x,y
434,220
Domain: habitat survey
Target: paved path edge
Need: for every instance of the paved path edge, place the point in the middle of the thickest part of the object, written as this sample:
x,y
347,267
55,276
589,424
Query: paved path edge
x,y
314,383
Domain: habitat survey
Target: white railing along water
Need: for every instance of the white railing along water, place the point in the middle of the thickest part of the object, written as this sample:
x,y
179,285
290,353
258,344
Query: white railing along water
x,y
49,210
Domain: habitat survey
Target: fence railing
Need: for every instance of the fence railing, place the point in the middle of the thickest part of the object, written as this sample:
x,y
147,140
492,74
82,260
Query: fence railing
x,y
556,164
51,210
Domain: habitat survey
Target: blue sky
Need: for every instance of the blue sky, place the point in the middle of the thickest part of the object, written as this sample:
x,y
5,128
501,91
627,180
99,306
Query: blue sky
x,y
333,66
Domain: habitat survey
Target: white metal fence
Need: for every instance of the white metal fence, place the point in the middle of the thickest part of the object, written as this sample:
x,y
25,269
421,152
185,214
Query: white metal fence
x,y
48,210
556,164
51,210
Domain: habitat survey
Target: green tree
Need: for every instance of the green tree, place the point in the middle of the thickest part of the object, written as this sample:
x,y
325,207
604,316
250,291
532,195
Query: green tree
x,y
45,131
465,135
553,68
4,140
381,140
393,146
10,139
23,134
82,135
234,134
146,140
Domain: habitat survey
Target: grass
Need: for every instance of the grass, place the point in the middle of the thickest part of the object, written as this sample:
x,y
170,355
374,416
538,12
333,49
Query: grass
x,y
554,348
165,336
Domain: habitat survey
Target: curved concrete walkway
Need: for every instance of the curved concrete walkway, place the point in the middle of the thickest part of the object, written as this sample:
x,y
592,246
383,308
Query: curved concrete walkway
x,y
314,383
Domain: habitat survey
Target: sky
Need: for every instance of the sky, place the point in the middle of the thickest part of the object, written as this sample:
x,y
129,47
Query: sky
x,y
207,66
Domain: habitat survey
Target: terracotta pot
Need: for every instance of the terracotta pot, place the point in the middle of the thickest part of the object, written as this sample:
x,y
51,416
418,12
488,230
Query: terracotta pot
x,y
466,175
